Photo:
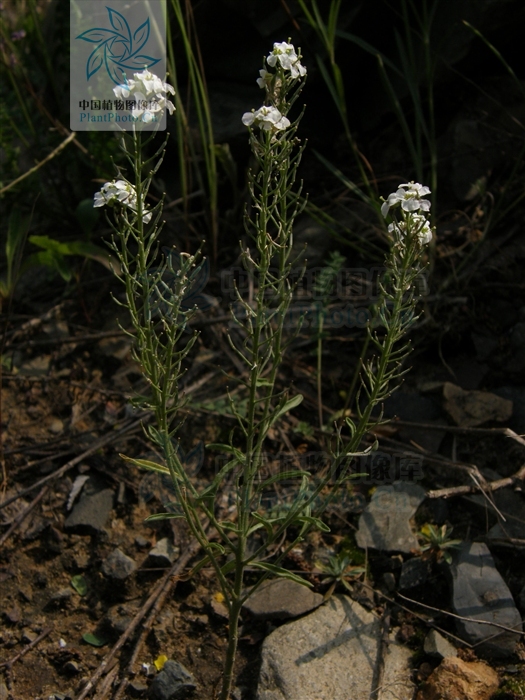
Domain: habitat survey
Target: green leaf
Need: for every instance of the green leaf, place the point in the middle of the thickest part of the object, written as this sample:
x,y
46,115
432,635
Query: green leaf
x,y
280,572
147,464
79,583
284,475
287,406
211,491
162,516
263,382
229,449
94,640
198,566
316,522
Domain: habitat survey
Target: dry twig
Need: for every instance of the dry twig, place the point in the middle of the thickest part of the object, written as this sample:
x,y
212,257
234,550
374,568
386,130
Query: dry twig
x,y
157,592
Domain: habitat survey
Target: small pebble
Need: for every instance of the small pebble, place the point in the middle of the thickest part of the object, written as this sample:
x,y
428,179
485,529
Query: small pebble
x,y
72,667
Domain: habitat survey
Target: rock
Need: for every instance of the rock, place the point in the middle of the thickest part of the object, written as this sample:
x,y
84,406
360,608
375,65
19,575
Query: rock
x,y
414,572
72,668
163,554
118,566
90,515
13,615
28,635
331,654
436,645
219,609
4,693
479,592
454,679
281,599
59,599
55,426
26,592
174,682
516,394
118,618
141,542
384,524
471,408
137,689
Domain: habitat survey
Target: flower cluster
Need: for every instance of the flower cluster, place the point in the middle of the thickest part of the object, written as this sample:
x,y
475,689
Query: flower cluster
x,y
119,191
270,117
267,118
284,54
146,89
410,198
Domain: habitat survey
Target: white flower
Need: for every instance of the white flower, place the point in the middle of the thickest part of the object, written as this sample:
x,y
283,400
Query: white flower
x,y
148,92
122,192
288,59
409,195
264,79
417,224
267,118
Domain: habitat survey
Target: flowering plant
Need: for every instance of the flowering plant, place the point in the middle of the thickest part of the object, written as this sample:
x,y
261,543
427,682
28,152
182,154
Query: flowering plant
x,y
119,191
284,54
267,118
408,200
410,196
148,92
282,87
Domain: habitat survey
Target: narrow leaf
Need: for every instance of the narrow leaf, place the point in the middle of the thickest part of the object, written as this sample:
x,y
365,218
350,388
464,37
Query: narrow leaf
x,y
146,464
291,403
280,572
162,516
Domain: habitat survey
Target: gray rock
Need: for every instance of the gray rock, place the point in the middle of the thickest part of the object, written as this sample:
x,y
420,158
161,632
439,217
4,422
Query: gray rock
x,y
414,572
59,599
4,693
438,646
479,592
163,554
137,689
282,599
331,654
90,515
118,618
516,394
385,525
118,565
174,682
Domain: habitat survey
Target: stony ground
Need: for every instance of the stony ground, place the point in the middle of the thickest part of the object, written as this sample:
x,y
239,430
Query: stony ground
x,y
86,581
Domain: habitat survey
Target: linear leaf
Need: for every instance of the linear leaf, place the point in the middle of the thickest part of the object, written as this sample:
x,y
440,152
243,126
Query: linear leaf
x,y
280,572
